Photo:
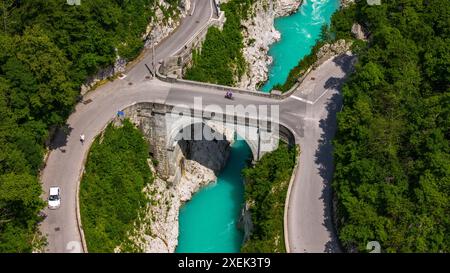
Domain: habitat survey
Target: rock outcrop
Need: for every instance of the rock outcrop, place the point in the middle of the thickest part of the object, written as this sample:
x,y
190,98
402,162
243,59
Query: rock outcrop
x,y
103,74
359,32
160,235
346,3
259,33
245,221
336,48
157,231
162,27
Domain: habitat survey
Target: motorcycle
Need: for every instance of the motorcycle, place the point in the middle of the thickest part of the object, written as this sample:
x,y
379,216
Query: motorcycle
x,y
229,96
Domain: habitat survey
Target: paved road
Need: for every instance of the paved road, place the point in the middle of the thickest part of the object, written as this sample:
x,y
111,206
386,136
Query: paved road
x,y
306,113
65,160
310,225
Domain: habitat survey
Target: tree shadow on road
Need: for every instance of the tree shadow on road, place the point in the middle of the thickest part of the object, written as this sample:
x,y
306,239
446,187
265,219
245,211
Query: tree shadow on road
x,y
324,153
333,83
59,139
346,62
324,159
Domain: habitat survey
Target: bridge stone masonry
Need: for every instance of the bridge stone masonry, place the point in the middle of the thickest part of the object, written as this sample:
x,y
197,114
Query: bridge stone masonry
x,y
167,128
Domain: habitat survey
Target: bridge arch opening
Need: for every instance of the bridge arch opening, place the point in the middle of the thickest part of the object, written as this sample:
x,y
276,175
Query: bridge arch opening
x,y
207,133
168,134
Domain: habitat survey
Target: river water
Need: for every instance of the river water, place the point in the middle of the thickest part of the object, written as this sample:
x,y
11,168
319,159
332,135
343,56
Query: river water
x,y
208,222
299,33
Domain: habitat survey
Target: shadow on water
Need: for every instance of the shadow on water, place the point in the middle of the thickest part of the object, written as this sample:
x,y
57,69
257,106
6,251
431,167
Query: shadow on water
x,y
209,222
188,138
324,153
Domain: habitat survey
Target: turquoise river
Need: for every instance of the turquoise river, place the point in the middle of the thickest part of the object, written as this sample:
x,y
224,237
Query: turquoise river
x,y
208,222
299,33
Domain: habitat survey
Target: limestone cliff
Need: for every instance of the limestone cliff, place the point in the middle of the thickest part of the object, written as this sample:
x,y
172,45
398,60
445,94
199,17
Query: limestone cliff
x,y
259,33
162,27
157,230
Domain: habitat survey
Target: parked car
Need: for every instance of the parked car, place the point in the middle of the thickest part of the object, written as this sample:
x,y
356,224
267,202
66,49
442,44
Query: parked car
x,y
54,199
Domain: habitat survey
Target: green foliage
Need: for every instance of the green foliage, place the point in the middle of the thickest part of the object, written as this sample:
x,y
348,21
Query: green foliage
x,y
47,50
392,150
342,22
111,191
266,186
301,68
220,60
90,33
19,206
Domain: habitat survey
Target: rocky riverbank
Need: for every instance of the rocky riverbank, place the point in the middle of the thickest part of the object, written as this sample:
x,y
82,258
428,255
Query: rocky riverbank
x,y
157,230
259,33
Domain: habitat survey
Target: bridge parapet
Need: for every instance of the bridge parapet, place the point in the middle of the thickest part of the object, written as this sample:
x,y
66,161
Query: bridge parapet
x,y
274,94
164,126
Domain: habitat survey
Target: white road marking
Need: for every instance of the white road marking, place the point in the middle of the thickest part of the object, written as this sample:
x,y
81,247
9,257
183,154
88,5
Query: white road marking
x,y
324,92
193,9
308,101
301,99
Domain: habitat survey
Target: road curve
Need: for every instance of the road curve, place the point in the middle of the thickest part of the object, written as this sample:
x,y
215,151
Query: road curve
x,y
65,161
309,216
308,113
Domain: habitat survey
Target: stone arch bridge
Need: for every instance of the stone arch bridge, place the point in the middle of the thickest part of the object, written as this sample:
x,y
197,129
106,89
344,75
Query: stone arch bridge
x,y
164,126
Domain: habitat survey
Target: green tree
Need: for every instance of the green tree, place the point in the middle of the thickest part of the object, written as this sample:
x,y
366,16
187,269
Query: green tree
x,y
266,186
392,147
111,191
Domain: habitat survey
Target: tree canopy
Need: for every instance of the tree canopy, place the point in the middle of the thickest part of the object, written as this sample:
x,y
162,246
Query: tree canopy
x,y
220,59
392,152
266,186
47,50
111,191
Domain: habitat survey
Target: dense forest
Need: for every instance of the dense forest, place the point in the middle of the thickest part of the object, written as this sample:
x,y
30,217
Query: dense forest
x,y
111,195
220,60
47,50
266,186
392,152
